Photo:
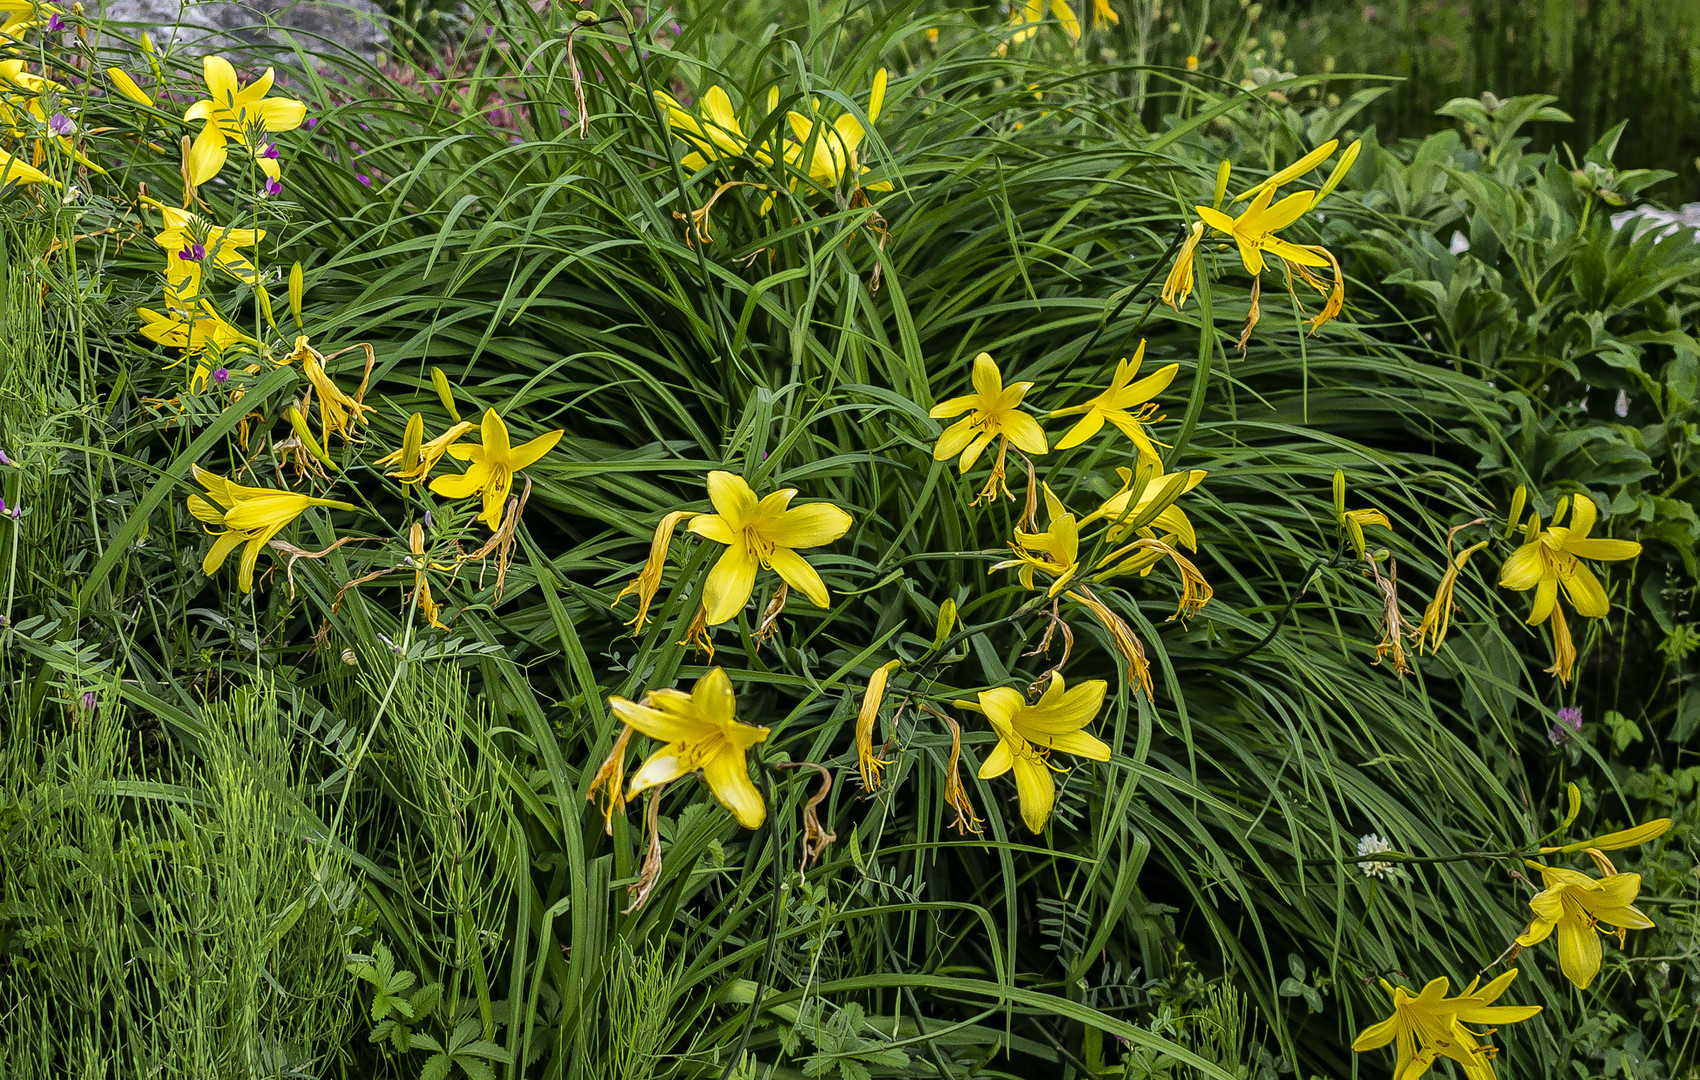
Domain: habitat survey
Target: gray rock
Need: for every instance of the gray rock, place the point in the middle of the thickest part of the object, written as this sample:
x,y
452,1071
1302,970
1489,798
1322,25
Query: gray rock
x,y
355,27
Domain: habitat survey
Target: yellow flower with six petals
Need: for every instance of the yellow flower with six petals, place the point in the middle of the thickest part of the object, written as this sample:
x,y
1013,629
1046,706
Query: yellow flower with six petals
x,y
701,732
1574,904
834,149
247,516
1054,552
760,533
1118,405
491,466
1427,1026
994,412
236,112
1028,734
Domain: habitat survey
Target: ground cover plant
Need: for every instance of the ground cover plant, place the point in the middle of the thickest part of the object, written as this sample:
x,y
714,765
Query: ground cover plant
x,y
641,548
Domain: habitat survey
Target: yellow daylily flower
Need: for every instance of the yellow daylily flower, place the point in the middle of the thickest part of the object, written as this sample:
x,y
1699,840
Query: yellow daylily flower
x,y
240,113
1103,13
22,15
1029,734
717,135
1427,1026
701,732
1550,560
1575,904
833,149
1118,406
1171,519
1254,230
761,533
1028,14
338,413
412,464
247,516
994,412
491,466
1055,552
191,330
190,243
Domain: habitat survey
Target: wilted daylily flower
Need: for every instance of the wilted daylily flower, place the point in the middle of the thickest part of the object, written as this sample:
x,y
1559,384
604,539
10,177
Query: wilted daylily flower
x,y
338,413
1549,560
491,466
833,148
701,732
994,412
412,464
236,112
757,534
1118,405
1028,734
867,762
247,515
1427,1026
1575,904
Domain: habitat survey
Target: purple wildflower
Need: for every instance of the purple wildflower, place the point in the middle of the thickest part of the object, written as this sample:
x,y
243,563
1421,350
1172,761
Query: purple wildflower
x,y
363,178
55,24
221,376
4,460
312,122
1569,726
273,187
192,253
269,150
88,701
17,512
61,125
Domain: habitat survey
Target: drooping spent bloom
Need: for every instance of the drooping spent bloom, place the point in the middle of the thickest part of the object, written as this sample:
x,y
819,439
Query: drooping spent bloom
x,y
1574,905
247,517
868,763
491,466
1428,1026
338,412
1126,404
761,533
1029,734
700,732
994,412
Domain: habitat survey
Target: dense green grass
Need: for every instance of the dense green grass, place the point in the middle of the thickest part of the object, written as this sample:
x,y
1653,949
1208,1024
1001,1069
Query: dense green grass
x,y
326,801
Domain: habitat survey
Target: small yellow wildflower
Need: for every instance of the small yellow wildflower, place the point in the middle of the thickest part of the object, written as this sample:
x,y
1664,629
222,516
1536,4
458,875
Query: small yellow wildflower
x,y
994,412
1029,734
1054,552
247,516
700,732
757,534
491,466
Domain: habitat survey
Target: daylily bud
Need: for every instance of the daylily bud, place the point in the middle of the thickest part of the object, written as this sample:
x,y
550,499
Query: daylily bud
x,y
445,393
947,623
298,293
305,434
1222,172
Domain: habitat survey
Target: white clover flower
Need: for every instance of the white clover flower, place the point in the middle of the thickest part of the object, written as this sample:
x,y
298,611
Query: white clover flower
x,y
1373,844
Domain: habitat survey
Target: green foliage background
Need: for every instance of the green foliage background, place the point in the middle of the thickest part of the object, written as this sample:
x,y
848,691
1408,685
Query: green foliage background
x,y
303,834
